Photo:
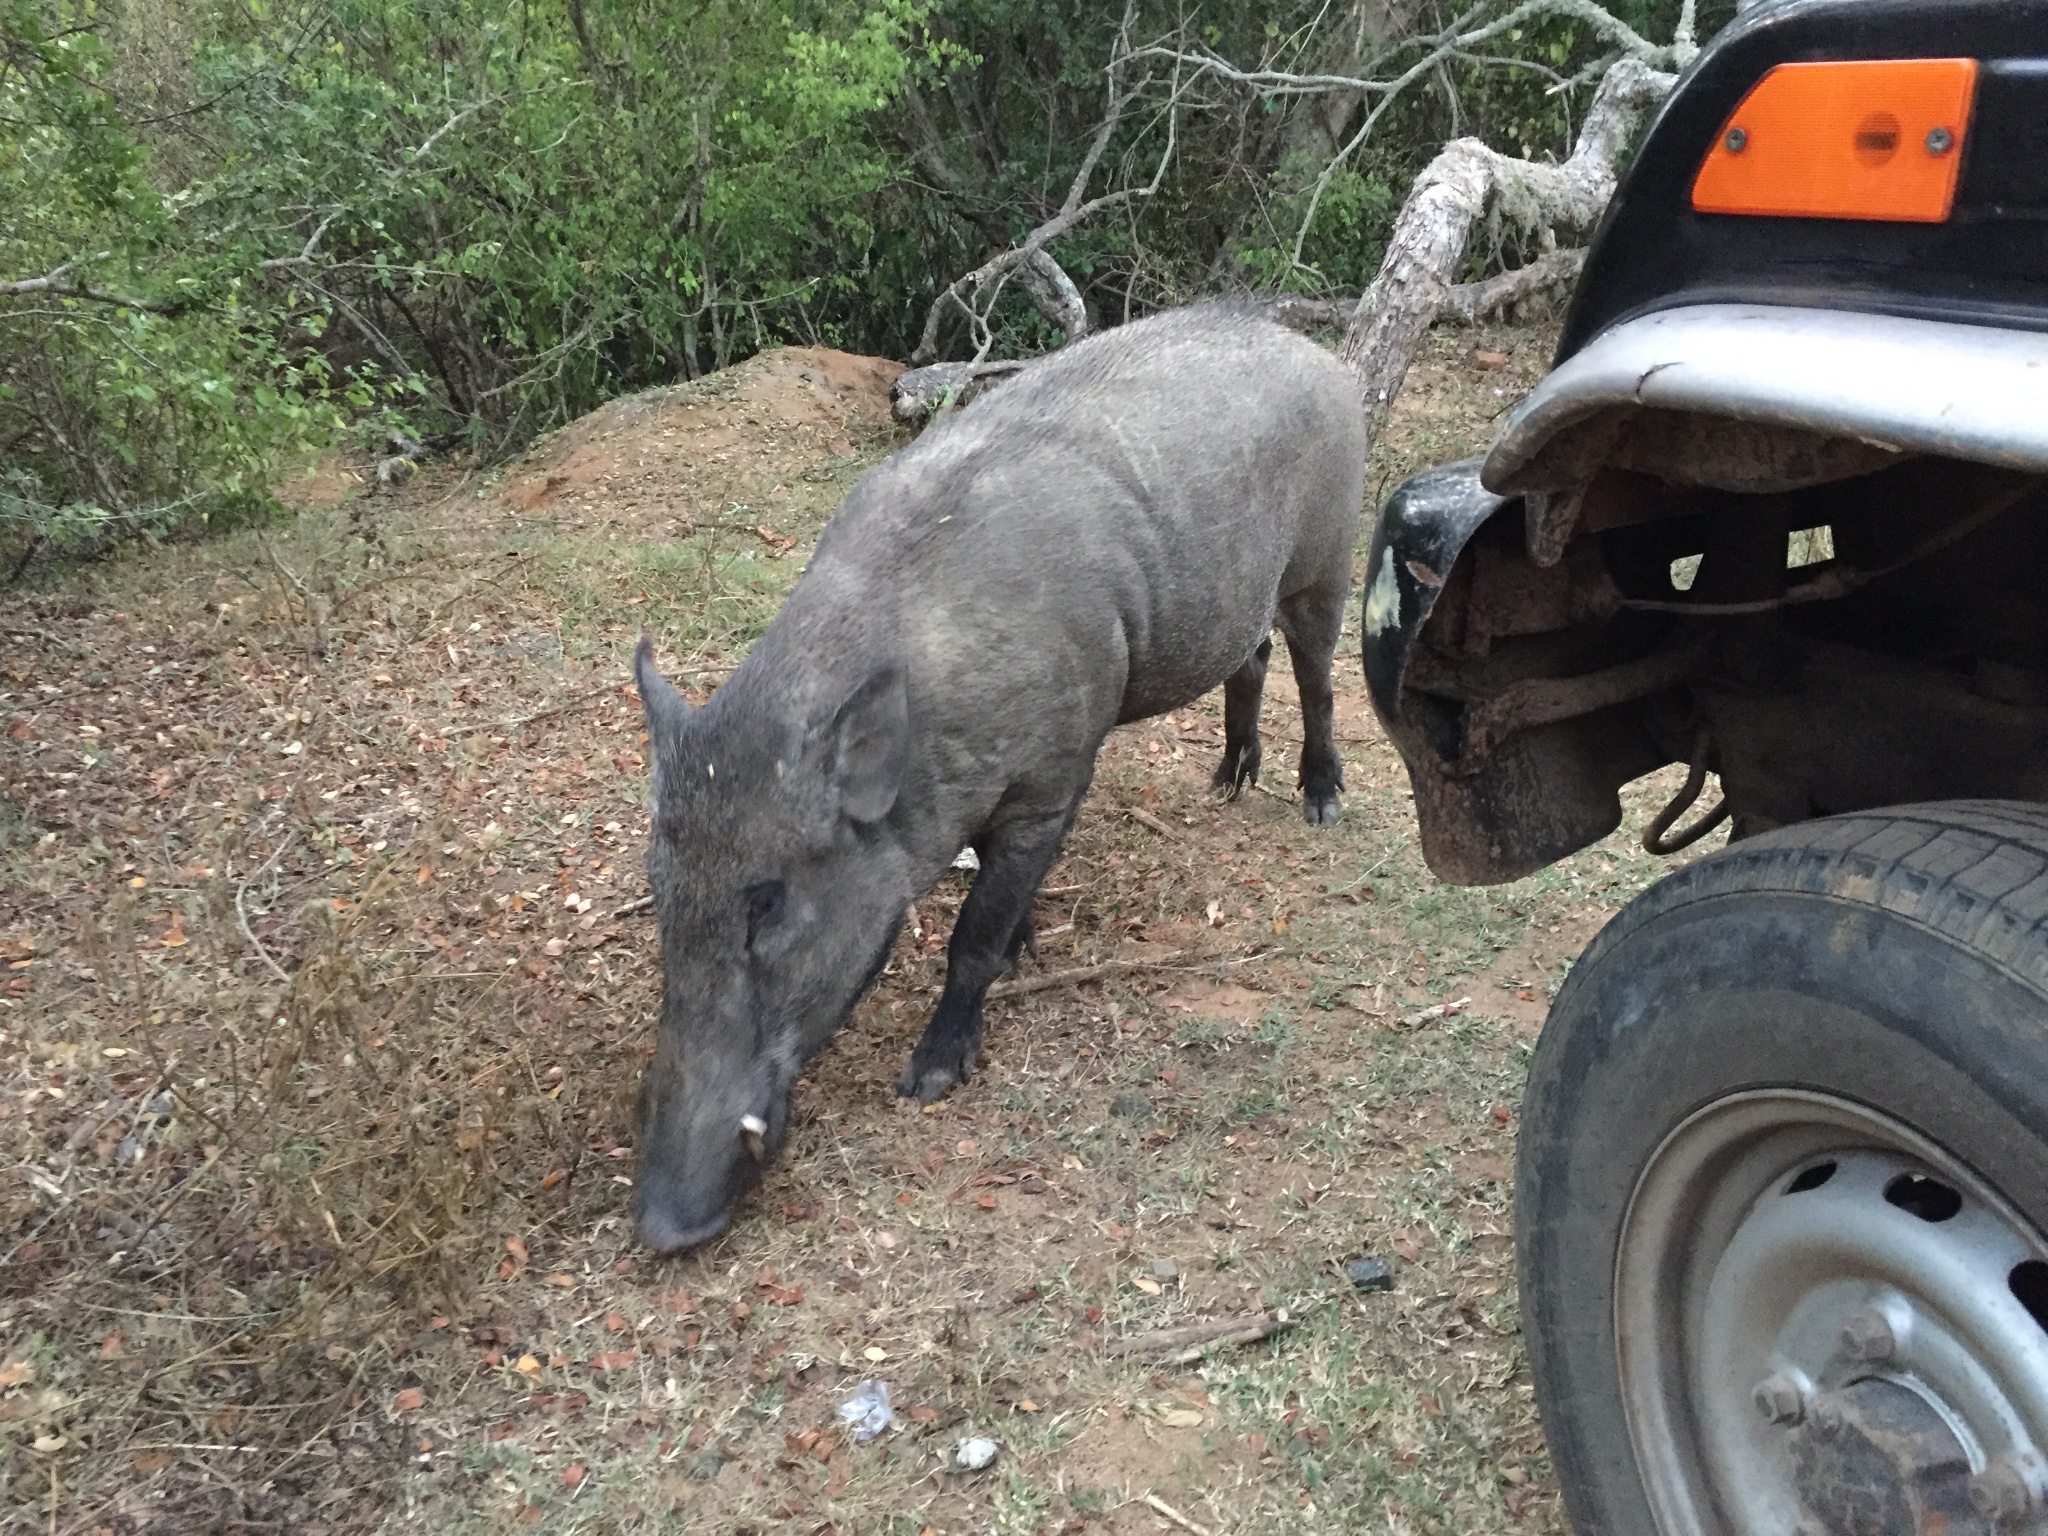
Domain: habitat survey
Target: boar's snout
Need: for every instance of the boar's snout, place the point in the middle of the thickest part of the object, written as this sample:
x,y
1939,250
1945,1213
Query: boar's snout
x,y
700,1152
659,1232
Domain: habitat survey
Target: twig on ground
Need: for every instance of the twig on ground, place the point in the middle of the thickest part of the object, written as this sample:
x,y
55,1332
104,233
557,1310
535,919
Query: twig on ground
x,y
284,570
1166,1511
1189,1340
242,912
1147,819
1440,1011
639,904
1080,974
518,722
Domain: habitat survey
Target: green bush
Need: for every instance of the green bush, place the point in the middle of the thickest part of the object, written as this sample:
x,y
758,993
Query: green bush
x,y
233,229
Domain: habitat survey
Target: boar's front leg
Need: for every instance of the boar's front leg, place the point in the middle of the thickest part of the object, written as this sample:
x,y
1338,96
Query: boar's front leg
x,y
993,927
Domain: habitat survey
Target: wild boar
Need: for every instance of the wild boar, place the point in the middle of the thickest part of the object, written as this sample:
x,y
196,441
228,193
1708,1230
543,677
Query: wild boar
x,y
1111,534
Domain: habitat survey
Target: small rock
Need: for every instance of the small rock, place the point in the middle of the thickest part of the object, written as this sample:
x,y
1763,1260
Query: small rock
x,y
706,1465
1164,1270
1370,1274
1130,1106
530,645
974,1453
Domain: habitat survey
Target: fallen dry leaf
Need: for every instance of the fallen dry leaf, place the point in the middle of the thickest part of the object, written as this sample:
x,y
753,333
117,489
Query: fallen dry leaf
x,y
526,1365
15,1373
174,936
516,1246
1482,358
1181,1418
110,1346
613,1360
411,1400
1148,1285
572,1474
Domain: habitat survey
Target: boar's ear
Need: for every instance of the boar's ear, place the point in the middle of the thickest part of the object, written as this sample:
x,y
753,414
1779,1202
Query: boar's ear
x,y
871,746
666,709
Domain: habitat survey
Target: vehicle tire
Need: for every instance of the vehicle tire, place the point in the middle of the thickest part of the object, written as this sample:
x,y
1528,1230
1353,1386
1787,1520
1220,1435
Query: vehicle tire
x,y
1782,1187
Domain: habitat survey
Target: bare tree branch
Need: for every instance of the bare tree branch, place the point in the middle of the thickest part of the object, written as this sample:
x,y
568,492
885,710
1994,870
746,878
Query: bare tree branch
x,y
1455,42
1469,303
1459,187
54,279
61,282
312,244
973,295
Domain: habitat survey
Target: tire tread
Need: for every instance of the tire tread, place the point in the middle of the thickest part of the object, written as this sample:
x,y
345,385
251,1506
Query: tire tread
x,y
1975,872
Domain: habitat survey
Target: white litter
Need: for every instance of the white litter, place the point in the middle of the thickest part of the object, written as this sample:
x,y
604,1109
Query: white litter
x,y
867,1412
974,1453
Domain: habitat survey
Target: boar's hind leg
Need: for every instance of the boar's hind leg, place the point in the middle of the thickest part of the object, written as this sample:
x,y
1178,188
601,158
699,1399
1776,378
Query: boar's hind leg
x,y
1312,636
994,924
1242,691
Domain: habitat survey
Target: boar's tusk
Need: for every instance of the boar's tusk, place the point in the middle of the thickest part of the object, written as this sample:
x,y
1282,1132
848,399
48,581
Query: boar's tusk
x,y
755,1131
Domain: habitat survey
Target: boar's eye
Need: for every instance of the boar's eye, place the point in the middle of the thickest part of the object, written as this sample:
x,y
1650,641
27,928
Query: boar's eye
x,y
764,909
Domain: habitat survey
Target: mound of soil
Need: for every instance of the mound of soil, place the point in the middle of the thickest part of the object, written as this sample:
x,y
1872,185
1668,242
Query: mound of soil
x,y
643,458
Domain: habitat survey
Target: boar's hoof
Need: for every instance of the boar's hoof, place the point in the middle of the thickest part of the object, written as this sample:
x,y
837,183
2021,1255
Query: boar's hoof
x,y
929,1080
1240,766
1320,811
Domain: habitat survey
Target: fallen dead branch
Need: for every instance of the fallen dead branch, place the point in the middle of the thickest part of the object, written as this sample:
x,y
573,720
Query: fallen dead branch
x,y
1080,974
1186,1343
1465,184
1554,271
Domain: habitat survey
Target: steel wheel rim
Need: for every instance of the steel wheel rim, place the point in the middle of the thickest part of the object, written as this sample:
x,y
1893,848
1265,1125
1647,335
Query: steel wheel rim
x,y
1749,1315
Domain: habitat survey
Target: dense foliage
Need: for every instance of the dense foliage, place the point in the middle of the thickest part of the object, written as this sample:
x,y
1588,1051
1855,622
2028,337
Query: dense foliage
x,y
230,229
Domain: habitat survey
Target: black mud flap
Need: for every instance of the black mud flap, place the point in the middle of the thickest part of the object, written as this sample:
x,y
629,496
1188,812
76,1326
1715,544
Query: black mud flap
x,y
1519,804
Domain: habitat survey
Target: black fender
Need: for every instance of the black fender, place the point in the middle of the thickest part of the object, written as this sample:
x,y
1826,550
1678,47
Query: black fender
x,y
1493,810
1422,529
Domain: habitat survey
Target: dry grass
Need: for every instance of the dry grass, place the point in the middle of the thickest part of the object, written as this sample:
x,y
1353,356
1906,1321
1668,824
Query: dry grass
x,y
317,1057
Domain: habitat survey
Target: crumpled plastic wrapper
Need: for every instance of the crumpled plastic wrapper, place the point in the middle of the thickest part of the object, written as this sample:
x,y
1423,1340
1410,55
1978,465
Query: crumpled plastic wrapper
x,y
867,1412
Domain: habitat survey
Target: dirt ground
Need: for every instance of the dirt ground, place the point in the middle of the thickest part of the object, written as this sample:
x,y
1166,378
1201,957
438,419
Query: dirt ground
x,y
329,986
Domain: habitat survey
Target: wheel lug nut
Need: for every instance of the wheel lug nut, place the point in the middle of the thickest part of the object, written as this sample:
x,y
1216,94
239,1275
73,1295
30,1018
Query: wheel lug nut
x,y
1779,1400
2000,1494
1868,1336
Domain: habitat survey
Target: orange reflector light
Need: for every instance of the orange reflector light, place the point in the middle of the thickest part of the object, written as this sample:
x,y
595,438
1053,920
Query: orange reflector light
x,y
1862,139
